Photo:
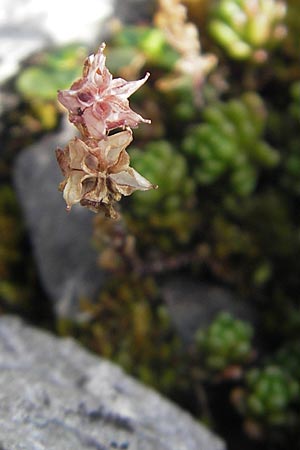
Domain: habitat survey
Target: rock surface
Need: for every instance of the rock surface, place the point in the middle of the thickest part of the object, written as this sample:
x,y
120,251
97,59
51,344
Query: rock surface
x,y
133,11
193,304
61,241
54,395
27,26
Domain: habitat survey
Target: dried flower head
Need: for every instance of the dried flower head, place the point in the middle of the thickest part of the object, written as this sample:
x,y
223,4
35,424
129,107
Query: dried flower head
x,y
97,173
97,103
96,167
183,36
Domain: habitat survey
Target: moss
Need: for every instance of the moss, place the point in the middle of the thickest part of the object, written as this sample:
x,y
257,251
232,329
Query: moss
x,y
129,325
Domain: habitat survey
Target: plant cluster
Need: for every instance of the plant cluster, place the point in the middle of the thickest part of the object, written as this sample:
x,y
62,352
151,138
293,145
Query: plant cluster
x,y
228,142
227,341
224,150
248,29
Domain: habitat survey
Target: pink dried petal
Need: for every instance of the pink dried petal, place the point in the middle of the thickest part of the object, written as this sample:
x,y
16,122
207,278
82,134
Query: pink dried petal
x,y
95,65
86,96
122,115
102,109
97,103
69,100
95,125
123,88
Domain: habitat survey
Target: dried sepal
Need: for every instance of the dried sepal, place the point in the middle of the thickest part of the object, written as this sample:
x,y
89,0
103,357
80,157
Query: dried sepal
x,y
98,174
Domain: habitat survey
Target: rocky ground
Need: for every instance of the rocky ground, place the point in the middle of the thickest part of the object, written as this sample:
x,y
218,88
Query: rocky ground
x,y
55,395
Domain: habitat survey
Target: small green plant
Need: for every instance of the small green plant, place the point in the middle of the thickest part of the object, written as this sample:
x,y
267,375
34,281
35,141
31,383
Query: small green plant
x,y
247,30
227,341
269,397
39,82
229,144
54,70
169,209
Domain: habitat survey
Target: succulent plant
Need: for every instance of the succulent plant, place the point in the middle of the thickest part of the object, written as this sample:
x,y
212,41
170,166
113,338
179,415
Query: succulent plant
x,y
291,163
292,41
138,45
269,396
165,214
229,143
54,70
255,242
295,104
39,81
225,342
288,358
247,30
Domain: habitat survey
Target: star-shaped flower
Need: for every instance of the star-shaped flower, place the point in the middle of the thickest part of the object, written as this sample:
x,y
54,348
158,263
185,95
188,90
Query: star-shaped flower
x,y
97,103
98,174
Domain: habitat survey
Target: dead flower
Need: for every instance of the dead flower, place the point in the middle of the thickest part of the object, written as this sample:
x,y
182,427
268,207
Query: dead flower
x,y
97,173
97,103
183,36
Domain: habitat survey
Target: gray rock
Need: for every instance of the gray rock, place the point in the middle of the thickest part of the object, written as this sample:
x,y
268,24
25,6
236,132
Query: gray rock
x,y
61,241
54,395
193,304
27,26
133,11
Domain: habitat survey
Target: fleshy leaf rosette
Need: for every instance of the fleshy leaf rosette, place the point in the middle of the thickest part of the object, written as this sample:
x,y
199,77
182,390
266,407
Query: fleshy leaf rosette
x,y
98,174
97,103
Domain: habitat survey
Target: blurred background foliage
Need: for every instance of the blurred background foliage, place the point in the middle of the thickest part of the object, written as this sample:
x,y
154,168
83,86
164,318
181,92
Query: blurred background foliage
x,y
224,149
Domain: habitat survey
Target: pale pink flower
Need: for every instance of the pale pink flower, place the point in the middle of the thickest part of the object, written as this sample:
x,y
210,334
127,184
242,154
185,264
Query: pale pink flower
x,y
98,174
97,103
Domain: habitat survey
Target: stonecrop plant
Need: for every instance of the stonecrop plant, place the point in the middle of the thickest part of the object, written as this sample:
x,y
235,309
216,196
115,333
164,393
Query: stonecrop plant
x,y
96,166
